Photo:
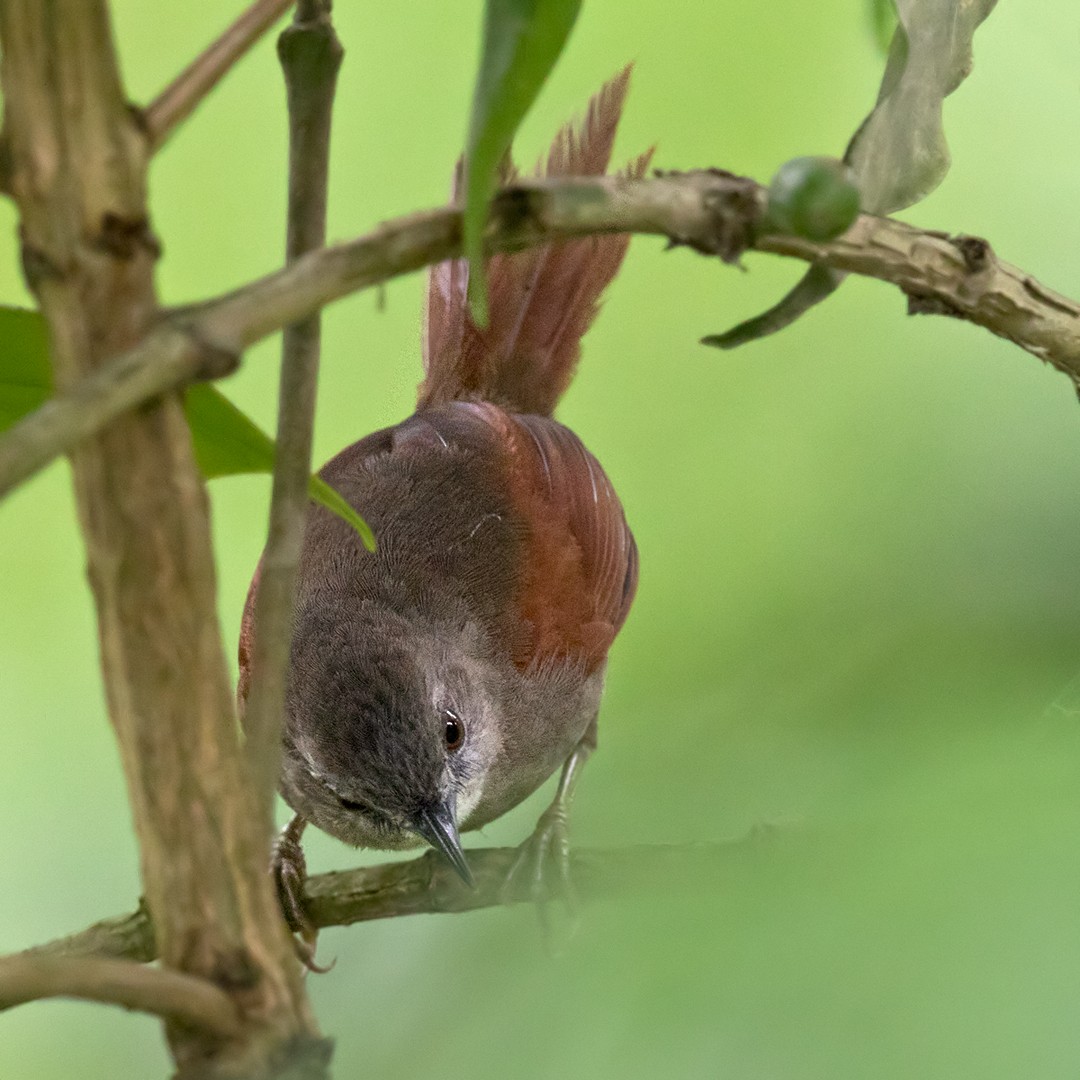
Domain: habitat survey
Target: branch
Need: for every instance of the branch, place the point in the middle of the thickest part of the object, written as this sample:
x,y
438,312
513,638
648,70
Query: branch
x,y
960,276
128,937
310,56
79,177
710,211
429,885
168,358
169,994
204,341
181,97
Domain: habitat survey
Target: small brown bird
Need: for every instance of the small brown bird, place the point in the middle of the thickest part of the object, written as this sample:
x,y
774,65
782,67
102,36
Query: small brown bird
x,y
438,681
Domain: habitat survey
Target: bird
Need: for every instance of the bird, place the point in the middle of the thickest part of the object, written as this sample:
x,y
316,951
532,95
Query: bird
x,y
435,683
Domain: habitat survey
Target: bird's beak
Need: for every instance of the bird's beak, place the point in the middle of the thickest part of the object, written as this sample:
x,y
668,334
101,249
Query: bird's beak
x,y
437,826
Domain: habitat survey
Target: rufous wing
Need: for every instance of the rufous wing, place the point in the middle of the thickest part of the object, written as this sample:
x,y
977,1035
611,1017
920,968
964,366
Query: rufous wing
x,y
568,564
247,643
579,563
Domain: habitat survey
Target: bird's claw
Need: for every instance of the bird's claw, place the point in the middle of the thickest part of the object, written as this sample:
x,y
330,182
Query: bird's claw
x,y
543,860
288,867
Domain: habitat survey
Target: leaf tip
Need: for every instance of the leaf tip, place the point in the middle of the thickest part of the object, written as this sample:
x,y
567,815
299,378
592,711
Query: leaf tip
x,y
718,341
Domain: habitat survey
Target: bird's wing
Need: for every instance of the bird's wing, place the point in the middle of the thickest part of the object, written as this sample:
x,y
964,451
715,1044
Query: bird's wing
x,y
552,579
578,564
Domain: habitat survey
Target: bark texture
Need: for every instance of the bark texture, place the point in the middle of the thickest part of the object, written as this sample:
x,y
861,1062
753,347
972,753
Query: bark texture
x,y
77,168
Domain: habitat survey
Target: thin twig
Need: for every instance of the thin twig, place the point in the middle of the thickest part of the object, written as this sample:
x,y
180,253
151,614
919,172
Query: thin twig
x,y
310,56
712,212
161,991
429,885
129,937
180,98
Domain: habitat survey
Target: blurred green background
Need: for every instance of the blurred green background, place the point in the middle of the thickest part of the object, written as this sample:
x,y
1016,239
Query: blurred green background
x,y
858,611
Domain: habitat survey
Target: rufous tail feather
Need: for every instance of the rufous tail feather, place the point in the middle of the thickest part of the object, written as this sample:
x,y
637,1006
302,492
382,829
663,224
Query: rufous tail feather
x,y
540,302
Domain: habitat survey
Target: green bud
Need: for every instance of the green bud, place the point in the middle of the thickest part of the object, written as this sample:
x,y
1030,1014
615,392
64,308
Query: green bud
x,y
812,197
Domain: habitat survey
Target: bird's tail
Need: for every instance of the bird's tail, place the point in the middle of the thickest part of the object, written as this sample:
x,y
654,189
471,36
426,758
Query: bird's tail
x,y
540,301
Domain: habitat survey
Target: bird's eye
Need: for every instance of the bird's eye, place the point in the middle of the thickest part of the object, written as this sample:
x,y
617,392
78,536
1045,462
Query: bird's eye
x,y
454,732
352,804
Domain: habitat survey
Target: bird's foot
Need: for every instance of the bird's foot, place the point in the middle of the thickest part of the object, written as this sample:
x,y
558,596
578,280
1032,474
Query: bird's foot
x,y
544,858
288,867
541,870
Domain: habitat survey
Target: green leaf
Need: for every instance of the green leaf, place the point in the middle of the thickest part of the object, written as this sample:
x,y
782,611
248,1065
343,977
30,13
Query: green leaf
x,y
226,441
882,17
322,493
522,41
25,380
817,283
899,153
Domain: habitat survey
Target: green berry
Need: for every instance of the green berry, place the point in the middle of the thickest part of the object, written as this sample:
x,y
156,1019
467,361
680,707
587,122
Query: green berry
x,y
812,197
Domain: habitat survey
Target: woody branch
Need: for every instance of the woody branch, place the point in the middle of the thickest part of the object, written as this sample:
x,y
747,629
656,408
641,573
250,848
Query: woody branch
x,y
428,885
79,179
708,210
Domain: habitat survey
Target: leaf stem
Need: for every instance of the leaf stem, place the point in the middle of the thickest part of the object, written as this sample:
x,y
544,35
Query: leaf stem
x,y
712,211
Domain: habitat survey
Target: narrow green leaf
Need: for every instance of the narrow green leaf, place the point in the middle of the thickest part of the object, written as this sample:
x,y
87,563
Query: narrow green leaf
x,y
817,283
226,441
522,41
25,381
322,493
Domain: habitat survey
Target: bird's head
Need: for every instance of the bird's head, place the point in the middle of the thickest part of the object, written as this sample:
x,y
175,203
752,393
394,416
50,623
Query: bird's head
x,y
389,732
